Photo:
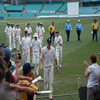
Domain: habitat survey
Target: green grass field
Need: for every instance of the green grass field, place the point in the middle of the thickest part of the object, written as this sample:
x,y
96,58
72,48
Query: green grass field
x,y
74,53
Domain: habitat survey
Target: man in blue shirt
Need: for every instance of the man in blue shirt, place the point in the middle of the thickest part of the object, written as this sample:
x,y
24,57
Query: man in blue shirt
x,y
68,27
79,28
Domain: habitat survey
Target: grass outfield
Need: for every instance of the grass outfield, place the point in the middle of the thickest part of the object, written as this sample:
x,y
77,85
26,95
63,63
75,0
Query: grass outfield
x,y
66,81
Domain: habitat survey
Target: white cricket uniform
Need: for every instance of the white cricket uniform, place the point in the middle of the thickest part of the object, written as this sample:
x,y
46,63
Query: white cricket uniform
x,y
13,38
58,42
35,44
25,42
18,38
29,30
38,29
8,32
48,57
42,30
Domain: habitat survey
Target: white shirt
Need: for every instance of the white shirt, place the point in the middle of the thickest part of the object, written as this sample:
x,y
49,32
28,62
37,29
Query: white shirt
x,y
58,41
18,31
8,30
29,30
38,29
25,42
13,31
35,45
48,56
42,30
94,76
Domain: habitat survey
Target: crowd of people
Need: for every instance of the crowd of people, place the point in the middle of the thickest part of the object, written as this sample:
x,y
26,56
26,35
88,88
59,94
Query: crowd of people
x,y
42,58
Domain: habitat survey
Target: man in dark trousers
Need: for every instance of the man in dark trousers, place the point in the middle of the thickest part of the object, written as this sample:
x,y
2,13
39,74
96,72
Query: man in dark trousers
x,y
52,31
68,27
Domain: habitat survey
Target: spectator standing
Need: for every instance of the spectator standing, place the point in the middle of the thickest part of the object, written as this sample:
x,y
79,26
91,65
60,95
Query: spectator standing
x,y
92,72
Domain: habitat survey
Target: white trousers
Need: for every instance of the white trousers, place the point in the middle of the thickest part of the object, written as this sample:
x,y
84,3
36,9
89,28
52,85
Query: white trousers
x,y
13,43
59,55
9,42
26,56
35,61
41,40
48,79
18,42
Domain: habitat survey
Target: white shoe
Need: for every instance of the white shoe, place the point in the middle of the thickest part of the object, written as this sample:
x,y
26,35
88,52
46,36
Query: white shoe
x,y
60,66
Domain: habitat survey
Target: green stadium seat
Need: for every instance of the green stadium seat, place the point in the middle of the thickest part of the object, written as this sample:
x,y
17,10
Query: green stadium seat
x,y
28,14
3,14
63,8
42,14
1,6
15,14
52,7
36,7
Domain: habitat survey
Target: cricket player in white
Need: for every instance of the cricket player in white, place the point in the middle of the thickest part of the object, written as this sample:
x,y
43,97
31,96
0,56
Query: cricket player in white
x,y
8,35
25,43
29,30
38,28
35,51
18,36
58,41
48,55
41,33
13,36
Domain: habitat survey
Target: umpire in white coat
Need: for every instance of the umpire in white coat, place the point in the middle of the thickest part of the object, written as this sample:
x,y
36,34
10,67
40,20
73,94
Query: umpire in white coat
x,y
58,41
48,55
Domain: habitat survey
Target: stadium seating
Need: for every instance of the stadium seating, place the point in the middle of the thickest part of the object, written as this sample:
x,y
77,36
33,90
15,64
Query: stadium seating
x,y
53,14
42,14
15,14
88,10
52,7
36,7
1,6
14,8
28,14
63,8
3,14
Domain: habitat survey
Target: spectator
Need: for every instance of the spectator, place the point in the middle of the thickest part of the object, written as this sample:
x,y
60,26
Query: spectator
x,y
92,72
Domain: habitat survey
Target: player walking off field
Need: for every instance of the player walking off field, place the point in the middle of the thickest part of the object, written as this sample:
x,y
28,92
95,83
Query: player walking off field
x,y
41,33
94,29
25,45
58,42
79,28
8,35
52,31
13,36
18,36
29,30
38,28
35,52
48,55
68,28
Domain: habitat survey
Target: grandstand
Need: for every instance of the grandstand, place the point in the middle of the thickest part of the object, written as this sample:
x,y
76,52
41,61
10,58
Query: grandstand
x,y
63,8
1,7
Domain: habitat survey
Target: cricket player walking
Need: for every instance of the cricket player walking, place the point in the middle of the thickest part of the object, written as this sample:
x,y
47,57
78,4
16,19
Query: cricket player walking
x,y
58,42
41,33
25,43
35,51
29,30
48,55
8,35
13,36
18,36
38,28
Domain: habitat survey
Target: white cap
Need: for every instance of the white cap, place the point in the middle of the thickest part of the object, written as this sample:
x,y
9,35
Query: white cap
x,y
78,20
35,35
41,23
68,20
